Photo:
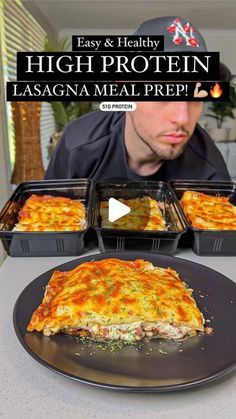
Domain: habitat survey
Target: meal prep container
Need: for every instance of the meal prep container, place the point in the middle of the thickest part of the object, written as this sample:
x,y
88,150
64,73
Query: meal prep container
x,y
147,240
208,242
44,243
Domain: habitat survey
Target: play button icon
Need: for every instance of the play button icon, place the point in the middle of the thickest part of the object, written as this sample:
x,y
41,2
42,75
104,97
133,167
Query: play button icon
x,y
116,210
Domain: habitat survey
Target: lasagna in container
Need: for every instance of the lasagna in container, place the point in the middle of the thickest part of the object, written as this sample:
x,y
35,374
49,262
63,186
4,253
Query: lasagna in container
x,y
208,212
118,299
51,213
145,214
154,224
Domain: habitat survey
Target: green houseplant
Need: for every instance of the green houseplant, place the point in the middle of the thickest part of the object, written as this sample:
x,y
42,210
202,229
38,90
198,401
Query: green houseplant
x,y
220,111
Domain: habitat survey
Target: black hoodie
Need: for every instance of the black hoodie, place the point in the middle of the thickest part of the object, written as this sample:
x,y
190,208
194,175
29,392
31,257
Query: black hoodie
x,y
93,147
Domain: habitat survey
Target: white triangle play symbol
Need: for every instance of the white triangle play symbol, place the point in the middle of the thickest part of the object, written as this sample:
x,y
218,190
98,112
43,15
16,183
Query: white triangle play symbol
x,y
116,210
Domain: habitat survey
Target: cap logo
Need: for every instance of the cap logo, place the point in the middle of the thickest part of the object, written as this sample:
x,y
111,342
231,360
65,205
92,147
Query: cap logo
x,y
182,33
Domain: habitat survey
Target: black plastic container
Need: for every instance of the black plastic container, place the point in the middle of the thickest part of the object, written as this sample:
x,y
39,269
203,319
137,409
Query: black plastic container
x,y
24,243
208,242
147,240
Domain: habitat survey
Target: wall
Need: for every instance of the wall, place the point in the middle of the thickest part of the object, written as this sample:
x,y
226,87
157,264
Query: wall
x,y
223,41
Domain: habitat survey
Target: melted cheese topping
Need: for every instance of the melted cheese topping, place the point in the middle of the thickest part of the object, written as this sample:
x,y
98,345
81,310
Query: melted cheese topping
x,y
209,212
145,214
50,213
112,298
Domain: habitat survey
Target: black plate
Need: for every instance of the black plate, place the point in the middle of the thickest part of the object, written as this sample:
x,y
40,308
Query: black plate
x,y
157,366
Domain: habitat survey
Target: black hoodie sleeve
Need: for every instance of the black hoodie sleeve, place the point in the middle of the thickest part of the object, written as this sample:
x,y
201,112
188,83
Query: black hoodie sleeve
x,y
58,167
83,146
212,159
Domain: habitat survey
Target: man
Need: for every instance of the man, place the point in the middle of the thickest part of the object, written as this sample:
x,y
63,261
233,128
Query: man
x,y
157,141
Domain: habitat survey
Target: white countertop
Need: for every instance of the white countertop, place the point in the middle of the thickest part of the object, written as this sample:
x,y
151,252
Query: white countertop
x,y
29,390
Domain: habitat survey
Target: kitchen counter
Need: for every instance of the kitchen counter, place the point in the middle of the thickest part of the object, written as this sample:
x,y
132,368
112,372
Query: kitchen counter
x,y
29,390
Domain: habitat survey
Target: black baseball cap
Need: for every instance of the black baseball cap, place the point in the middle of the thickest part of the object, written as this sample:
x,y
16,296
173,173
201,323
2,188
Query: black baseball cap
x,y
179,35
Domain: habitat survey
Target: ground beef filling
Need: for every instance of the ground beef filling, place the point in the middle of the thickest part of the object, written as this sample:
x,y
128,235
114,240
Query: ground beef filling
x,y
135,331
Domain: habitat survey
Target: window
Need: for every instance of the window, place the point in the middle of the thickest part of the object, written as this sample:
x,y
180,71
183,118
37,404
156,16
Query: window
x,y
21,32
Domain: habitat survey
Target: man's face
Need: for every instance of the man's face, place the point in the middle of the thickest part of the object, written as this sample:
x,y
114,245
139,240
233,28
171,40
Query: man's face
x,y
165,127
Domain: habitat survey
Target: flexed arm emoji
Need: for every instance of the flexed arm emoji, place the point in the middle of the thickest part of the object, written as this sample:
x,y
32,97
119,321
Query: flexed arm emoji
x,y
199,93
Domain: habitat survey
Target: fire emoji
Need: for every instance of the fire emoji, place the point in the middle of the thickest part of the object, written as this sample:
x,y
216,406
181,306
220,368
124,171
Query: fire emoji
x,y
216,91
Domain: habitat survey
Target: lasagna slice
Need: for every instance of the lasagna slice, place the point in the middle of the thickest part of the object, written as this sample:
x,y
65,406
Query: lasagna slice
x,y
208,212
50,213
145,214
118,299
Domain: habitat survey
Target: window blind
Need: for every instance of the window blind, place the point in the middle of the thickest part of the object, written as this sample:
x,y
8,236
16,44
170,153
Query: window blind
x,y
21,32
